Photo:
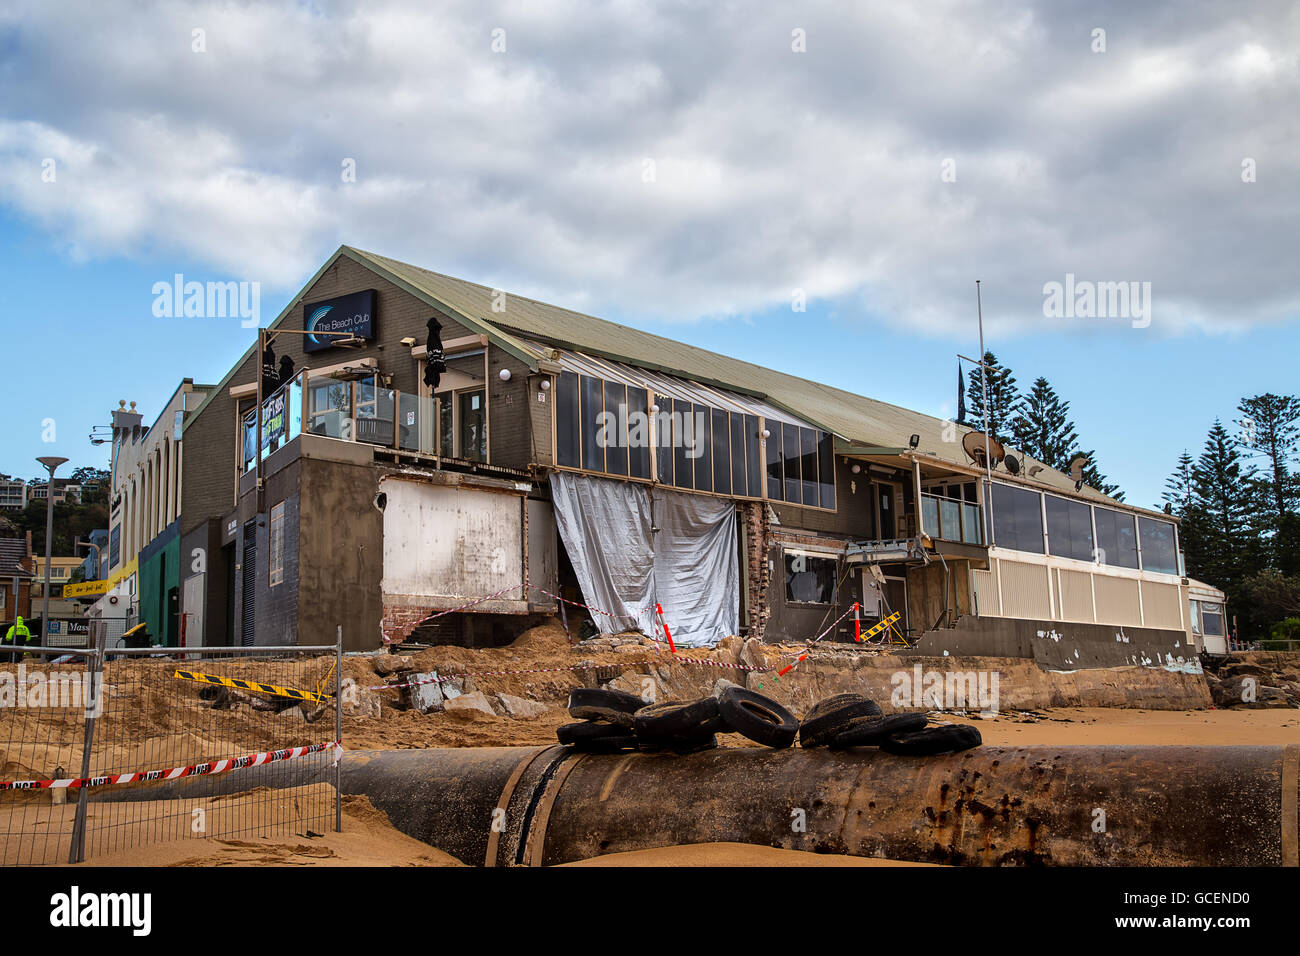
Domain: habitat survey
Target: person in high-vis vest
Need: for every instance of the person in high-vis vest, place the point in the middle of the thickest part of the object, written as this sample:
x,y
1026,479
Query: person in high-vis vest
x,y
18,633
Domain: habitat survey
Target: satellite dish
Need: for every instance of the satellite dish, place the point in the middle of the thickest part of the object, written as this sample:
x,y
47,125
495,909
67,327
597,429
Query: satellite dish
x,y
1012,464
1076,467
973,445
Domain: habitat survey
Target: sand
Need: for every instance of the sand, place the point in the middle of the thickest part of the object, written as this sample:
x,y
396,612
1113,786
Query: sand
x,y
1101,725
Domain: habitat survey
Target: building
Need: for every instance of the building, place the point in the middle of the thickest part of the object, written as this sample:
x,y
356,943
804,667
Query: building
x,y
65,490
13,493
559,453
143,555
16,571
95,565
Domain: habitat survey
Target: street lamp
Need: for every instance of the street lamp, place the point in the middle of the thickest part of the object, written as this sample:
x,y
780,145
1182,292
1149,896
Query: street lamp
x,y
51,464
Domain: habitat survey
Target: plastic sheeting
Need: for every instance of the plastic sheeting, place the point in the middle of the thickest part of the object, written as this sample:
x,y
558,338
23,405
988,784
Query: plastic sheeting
x,y
690,565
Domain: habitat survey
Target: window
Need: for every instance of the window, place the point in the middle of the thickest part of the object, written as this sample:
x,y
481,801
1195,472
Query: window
x,y
1211,618
567,453
1116,538
1017,519
808,579
1158,550
446,433
1069,528
276,548
471,433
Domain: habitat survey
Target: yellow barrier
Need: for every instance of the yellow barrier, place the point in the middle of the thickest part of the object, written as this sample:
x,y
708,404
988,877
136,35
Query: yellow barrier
x,y
273,689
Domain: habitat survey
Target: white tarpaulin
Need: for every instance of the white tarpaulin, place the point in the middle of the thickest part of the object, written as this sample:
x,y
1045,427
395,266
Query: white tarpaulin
x,y
689,565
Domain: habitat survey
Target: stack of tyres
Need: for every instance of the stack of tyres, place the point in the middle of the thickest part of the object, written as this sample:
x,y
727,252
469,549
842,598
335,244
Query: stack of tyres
x,y
605,720
852,720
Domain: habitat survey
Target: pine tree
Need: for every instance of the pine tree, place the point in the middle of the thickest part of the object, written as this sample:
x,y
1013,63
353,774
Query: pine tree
x,y
1004,398
1179,492
1225,538
1270,431
1042,428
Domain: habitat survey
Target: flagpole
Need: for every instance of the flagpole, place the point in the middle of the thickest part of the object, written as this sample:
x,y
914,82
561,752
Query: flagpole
x,y
984,386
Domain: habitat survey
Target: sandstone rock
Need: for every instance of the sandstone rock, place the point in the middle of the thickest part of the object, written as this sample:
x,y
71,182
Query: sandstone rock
x,y
360,702
521,709
469,705
386,664
728,649
1244,669
720,685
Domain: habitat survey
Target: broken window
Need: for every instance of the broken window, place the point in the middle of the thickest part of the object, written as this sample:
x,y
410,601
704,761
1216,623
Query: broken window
x,y
809,579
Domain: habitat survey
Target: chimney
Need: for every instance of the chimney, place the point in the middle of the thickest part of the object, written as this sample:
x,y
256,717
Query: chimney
x,y
29,543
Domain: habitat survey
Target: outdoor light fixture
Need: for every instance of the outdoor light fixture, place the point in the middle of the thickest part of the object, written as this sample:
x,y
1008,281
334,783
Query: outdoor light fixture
x,y
51,464
856,469
766,434
409,341
914,441
546,385
505,375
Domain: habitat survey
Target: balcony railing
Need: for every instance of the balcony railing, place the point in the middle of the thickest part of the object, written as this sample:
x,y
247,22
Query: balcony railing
x,y
364,411
950,519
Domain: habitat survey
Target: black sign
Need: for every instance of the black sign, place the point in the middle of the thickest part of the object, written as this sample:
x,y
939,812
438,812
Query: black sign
x,y
353,314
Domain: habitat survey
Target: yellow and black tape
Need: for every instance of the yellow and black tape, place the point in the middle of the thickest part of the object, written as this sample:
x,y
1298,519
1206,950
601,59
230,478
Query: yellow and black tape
x,y
256,687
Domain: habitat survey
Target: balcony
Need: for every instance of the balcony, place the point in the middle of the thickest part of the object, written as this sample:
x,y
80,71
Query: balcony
x,y
951,519
449,426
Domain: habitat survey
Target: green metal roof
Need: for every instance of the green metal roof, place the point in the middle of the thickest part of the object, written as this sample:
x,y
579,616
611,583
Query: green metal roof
x,y
855,418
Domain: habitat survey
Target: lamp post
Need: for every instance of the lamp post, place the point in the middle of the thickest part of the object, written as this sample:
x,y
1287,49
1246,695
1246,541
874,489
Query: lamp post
x,y
51,464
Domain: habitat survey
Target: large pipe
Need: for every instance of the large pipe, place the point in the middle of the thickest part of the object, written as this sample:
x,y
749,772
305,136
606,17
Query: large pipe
x,y
1112,806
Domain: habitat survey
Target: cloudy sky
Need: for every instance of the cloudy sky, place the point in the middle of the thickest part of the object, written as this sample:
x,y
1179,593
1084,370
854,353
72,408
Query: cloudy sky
x,y
688,167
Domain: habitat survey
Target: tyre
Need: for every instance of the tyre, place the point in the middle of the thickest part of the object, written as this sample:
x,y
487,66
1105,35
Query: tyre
x,y
759,718
872,731
677,719
831,715
595,703
945,739
587,730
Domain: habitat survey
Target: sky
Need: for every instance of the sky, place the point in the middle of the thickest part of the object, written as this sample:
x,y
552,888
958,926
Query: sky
x,y
814,187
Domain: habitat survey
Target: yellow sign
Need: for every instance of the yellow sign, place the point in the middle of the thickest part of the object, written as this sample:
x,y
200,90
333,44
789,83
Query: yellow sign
x,y
886,623
85,589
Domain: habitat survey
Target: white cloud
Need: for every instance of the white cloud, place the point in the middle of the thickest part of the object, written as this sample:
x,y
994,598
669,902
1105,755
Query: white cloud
x,y
774,170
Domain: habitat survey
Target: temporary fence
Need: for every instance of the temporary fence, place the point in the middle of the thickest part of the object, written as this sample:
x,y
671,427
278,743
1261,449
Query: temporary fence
x,y
89,736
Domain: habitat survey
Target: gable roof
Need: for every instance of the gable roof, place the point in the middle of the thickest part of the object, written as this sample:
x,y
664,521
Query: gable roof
x,y
855,418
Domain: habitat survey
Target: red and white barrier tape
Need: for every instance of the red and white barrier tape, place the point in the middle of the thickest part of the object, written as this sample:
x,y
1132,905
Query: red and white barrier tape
x,y
175,773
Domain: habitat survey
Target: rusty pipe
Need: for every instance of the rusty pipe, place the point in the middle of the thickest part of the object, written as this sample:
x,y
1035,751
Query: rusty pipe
x,y
1081,805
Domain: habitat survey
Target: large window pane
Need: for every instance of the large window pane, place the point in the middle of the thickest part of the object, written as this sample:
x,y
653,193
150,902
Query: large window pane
x,y
775,472
1069,528
446,434
703,447
664,438
593,403
683,444
1116,538
790,449
826,469
809,580
613,433
720,444
808,466
638,439
753,457
567,451
1017,519
1158,551
739,476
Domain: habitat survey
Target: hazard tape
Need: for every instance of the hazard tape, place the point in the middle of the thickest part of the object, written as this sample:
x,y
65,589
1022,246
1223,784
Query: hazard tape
x,y
257,687
175,773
